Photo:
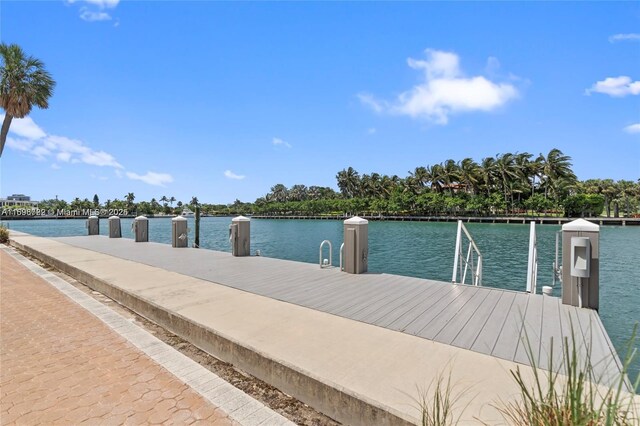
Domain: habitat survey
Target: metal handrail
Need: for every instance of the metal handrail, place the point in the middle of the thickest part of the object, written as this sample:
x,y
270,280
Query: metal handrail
x,y
532,263
341,255
328,265
469,263
557,269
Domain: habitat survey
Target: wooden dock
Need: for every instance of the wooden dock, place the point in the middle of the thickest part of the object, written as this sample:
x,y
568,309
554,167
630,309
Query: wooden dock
x,y
505,324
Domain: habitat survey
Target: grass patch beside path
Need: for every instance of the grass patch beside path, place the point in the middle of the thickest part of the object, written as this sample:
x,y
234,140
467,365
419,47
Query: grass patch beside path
x,y
575,397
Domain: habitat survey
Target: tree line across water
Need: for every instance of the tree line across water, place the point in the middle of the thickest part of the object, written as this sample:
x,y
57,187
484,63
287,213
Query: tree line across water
x,y
507,184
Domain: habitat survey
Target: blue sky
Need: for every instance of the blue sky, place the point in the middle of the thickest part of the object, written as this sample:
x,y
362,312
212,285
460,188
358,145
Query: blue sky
x,y
224,100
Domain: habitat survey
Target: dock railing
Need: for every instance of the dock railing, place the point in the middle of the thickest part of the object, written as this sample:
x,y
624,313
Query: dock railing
x,y
472,262
532,263
326,263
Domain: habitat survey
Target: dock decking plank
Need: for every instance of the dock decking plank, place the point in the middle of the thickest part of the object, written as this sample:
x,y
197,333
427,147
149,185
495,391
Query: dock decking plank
x,y
485,300
510,331
598,351
550,337
433,292
459,310
456,299
530,339
372,312
475,326
380,299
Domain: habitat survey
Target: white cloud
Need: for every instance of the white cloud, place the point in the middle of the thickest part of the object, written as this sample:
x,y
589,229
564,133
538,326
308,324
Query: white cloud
x,y
63,156
25,128
230,175
75,151
633,128
280,142
444,91
371,130
368,100
40,153
152,178
624,37
93,16
24,145
118,173
35,141
54,166
102,4
616,86
94,10
100,158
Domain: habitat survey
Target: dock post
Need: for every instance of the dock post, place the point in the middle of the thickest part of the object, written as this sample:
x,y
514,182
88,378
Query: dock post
x,y
179,237
93,225
581,264
115,231
240,236
196,239
356,245
140,228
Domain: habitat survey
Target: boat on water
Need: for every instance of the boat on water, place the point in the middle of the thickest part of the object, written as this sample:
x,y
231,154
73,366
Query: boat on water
x,y
187,213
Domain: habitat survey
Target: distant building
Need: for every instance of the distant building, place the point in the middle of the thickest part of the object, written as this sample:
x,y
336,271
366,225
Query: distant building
x,y
17,200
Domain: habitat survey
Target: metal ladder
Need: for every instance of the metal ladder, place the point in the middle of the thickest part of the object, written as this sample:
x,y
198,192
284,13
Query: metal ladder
x,y
532,263
326,263
472,261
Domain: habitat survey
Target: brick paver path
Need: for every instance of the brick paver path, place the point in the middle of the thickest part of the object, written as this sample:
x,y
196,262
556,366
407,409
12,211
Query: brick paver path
x,y
61,365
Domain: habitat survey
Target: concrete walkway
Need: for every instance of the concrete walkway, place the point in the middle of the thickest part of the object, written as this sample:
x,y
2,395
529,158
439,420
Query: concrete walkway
x,y
63,365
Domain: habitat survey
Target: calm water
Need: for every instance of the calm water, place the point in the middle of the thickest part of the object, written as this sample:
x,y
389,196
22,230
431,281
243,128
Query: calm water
x,y
423,250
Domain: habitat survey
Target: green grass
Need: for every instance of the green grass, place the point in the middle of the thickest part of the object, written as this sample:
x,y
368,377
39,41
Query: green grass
x,y
439,403
4,234
576,397
571,395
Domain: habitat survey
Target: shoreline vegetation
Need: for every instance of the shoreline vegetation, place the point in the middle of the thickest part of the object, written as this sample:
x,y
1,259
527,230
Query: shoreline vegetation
x,y
505,186
542,220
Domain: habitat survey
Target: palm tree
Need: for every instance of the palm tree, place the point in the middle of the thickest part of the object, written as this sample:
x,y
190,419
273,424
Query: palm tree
x,y
436,177
194,201
314,192
366,186
411,185
420,177
165,200
487,172
348,182
130,197
172,200
507,174
555,166
298,192
469,174
280,193
450,174
23,83
376,185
